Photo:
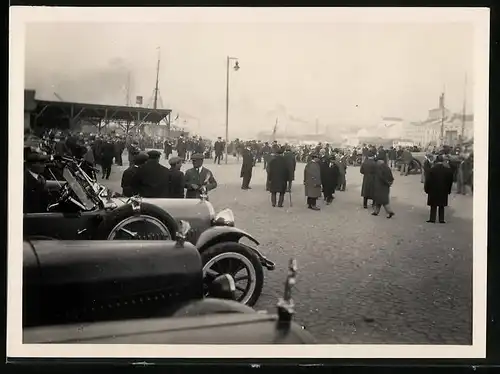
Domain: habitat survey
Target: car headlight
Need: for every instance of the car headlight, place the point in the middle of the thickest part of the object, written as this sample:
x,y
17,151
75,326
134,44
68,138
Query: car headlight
x,y
224,218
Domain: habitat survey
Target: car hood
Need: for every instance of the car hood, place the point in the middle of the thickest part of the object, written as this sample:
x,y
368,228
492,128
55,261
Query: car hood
x,y
179,208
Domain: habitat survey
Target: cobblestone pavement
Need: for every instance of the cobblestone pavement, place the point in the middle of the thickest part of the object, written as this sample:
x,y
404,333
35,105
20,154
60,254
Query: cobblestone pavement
x,y
362,279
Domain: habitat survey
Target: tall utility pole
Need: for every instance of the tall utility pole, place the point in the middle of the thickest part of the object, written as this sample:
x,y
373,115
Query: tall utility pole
x,y
464,112
127,89
441,105
155,102
236,68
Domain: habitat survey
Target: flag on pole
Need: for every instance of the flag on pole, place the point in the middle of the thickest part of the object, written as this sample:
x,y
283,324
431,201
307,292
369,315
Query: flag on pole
x,y
138,100
441,101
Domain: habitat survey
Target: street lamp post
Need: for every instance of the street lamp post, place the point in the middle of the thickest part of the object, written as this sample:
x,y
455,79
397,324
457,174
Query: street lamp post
x,y
236,68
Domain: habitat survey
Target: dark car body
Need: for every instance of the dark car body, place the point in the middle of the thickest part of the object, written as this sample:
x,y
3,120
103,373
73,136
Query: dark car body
x,y
134,292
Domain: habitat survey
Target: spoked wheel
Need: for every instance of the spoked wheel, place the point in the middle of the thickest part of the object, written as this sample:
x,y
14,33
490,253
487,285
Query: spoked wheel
x,y
238,261
140,228
125,223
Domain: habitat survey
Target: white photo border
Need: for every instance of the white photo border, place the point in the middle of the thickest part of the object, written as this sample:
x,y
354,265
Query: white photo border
x,y
20,16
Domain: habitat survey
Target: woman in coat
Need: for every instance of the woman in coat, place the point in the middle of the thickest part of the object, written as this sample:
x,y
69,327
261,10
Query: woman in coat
x,y
368,169
383,183
312,182
278,175
437,186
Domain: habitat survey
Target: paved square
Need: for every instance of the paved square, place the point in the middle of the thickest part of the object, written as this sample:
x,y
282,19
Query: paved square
x,y
361,279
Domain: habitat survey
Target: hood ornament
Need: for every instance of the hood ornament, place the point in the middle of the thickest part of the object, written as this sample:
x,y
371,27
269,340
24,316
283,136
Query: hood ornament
x,y
182,232
286,306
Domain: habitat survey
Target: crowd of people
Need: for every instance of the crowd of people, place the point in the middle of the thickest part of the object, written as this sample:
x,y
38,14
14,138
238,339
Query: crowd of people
x,y
324,173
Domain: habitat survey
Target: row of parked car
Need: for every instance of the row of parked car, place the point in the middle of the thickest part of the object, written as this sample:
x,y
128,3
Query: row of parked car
x,y
97,258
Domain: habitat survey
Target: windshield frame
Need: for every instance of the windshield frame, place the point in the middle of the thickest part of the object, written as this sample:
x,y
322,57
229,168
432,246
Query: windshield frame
x,y
84,197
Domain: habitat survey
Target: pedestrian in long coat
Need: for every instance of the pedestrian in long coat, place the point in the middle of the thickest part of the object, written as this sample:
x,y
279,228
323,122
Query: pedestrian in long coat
x,y
437,186
167,148
128,188
383,183
246,169
291,163
329,177
312,182
342,169
107,155
368,169
278,175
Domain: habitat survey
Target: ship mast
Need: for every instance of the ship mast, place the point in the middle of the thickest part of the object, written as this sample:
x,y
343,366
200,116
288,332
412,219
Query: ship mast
x,y
155,102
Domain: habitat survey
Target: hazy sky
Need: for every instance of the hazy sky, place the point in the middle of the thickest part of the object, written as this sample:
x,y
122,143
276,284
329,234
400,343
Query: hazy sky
x,y
343,74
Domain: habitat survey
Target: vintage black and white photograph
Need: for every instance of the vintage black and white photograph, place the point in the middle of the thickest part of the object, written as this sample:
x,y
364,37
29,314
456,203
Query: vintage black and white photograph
x,y
238,177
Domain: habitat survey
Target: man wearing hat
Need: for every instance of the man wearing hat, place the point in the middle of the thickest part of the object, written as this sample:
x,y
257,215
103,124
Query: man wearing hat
x,y
128,189
312,181
107,155
369,170
152,179
35,198
177,180
219,147
437,186
247,168
197,177
278,175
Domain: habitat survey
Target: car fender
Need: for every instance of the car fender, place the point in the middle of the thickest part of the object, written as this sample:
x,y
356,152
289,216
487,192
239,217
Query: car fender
x,y
219,234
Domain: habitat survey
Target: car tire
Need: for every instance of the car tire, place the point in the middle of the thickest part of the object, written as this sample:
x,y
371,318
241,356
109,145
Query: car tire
x,y
240,252
113,218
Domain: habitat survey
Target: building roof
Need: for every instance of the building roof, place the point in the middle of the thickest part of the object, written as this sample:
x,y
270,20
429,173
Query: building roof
x,y
98,112
392,119
468,117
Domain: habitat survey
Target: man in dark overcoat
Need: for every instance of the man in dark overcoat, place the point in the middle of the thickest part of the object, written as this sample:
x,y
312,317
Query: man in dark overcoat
x,y
181,148
119,147
177,182
291,163
128,175
152,179
437,186
342,169
383,183
329,177
167,148
197,177
312,182
266,151
278,175
107,155
246,168
368,169
219,147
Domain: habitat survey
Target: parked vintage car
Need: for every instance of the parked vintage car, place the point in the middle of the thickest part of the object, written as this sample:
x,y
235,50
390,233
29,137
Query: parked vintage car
x,y
140,292
415,165
82,209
